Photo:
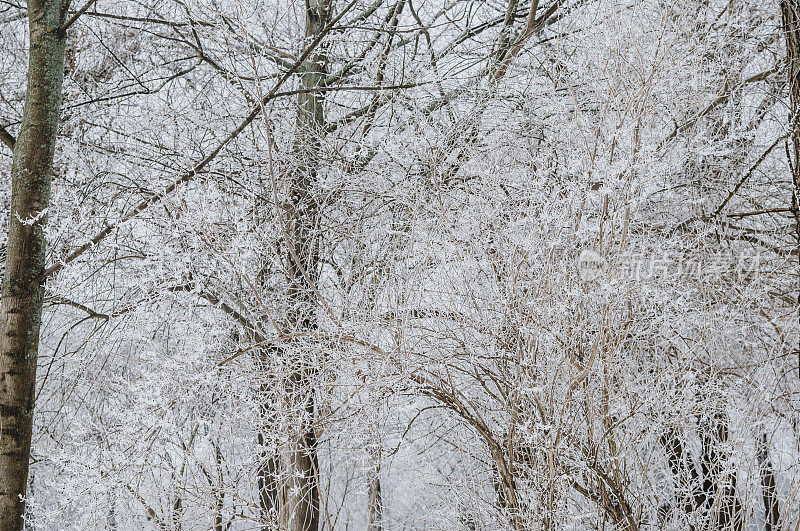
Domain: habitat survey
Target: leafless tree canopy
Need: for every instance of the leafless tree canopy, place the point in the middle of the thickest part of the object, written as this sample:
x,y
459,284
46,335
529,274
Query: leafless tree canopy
x,y
400,265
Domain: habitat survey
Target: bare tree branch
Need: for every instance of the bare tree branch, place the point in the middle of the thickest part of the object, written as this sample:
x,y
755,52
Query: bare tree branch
x,y
198,168
7,138
63,29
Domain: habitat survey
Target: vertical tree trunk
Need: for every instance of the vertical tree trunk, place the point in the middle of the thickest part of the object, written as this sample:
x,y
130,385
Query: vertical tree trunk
x,y
685,477
719,484
298,496
21,306
375,509
711,495
769,493
790,13
267,475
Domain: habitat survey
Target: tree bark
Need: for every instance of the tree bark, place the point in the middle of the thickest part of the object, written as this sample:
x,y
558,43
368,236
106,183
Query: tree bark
x,y
375,510
269,466
769,493
719,489
295,495
790,14
22,292
711,496
684,473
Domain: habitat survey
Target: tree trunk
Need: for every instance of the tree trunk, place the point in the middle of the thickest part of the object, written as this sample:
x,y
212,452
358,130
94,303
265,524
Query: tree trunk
x,y
790,13
297,488
713,495
21,306
720,497
769,494
375,509
269,466
684,473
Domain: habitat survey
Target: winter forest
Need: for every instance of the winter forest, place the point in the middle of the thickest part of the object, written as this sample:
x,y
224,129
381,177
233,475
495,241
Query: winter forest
x,y
385,265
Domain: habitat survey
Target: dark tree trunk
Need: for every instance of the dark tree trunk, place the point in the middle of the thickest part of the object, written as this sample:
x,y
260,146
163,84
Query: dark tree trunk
x,y
769,493
687,481
710,495
790,14
22,293
289,480
719,484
